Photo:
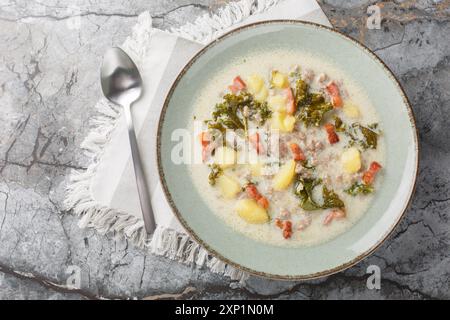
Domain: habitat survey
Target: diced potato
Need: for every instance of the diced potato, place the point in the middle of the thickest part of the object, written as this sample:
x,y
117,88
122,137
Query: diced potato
x,y
251,211
351,110
277,121
228,186
225,157
288,123
281,121
279,80
351,160
284,176
261,95
255,83
256,169
277,103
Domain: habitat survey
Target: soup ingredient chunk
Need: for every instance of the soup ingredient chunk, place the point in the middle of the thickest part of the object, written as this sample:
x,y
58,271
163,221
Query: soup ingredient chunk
x,y
251,212
215,173
279,80
284,176
351,160
312,109
304,187
335,95
290,103
332,215
238,85
331,132
204,141
228,186
256,142
369,175
285,226
297,152
253,193
359,188
282,122
350,110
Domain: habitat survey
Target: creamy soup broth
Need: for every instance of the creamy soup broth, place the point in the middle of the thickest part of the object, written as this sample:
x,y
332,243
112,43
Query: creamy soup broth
x,y
307,226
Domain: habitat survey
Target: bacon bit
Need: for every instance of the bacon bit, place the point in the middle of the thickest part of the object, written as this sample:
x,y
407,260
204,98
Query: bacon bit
x,y
256,143
286,226
297,152
279,223
287,229
238,85
332,135
204,140
333,91
253,193
290,101
333,214
263,202
369,175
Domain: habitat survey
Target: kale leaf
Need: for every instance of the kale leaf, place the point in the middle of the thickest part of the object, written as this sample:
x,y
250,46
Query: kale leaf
x,y
365,137
331,199
216,171
370,136
313,113
301,93
229,114
339,124
304,187
311,106
359,188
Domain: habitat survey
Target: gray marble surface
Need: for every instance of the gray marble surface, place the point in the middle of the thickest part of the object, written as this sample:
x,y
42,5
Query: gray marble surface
x,y
50,52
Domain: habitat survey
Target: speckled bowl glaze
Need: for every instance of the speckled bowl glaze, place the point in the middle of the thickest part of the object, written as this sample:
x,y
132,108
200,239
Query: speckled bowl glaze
x,y
400,170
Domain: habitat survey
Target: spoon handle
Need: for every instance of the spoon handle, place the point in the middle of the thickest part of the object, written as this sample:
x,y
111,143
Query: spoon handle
x,y
144,194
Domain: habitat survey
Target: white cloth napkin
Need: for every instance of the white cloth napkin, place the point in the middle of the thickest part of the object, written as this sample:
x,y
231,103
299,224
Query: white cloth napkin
x,y
105,196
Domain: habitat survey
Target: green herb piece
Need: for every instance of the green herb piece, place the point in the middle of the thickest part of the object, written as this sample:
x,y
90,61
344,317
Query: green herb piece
x,y
365,137
331,199
304,187
216,126
311,106
216,171
370,137
229,113
313,113
301,93
359,188
339,125
263,110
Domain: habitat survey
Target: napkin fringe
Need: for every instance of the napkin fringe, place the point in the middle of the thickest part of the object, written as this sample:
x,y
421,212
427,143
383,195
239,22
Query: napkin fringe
x,y
208,27
165,241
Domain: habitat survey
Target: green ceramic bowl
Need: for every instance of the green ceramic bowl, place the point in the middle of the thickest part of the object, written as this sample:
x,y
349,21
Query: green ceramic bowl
x,y
390,202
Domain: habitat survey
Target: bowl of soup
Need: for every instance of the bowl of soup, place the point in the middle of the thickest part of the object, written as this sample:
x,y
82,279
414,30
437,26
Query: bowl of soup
x,y
287,149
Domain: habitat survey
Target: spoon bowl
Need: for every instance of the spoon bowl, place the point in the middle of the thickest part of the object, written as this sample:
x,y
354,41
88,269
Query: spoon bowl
x,y
120,78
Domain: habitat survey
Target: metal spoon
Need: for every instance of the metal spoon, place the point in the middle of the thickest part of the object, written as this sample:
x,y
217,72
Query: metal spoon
x,y
122,84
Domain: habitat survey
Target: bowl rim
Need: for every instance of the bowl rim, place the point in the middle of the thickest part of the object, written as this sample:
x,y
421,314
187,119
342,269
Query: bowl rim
x,y
216,254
